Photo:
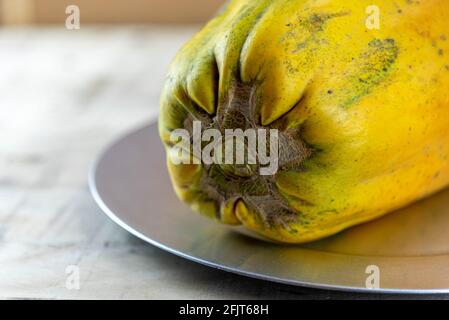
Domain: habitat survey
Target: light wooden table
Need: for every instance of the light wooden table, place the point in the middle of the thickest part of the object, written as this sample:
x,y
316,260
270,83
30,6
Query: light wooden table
x,y
63,96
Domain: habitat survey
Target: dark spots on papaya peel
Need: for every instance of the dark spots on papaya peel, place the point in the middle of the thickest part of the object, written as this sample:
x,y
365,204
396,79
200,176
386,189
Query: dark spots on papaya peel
x,y
447,67
309,29
313,23
317,21
330,91
300,46
440,51
369,70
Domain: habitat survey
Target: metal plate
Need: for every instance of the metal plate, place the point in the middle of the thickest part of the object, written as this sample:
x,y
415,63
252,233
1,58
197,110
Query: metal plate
x,y
411,247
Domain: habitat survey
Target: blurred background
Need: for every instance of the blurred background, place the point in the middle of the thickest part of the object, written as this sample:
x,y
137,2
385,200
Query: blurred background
x,y
15,12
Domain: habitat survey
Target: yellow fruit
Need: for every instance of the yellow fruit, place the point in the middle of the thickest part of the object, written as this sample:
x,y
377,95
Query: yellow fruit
x,y
364,112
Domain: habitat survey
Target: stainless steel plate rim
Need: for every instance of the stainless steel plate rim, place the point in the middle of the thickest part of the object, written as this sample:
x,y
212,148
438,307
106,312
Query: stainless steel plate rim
x,y
94,183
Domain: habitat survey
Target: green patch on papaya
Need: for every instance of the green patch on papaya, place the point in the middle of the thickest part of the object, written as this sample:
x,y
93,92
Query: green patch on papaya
x,y
240,28
317,21
369,70
308,30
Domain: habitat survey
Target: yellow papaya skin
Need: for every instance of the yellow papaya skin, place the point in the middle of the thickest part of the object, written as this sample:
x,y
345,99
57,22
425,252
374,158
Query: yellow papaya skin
x,y
368,110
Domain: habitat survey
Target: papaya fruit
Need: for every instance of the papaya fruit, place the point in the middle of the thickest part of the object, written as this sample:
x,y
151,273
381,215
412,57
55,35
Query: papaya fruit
x,y
361,107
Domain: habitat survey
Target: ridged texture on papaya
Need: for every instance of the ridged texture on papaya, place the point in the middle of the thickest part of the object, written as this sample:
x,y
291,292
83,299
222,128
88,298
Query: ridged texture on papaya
x,y
365,110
